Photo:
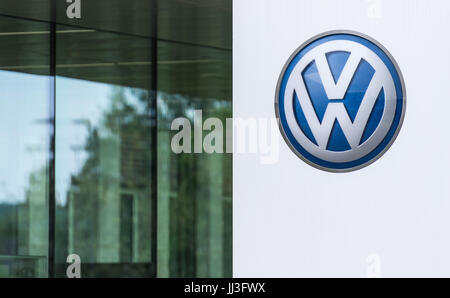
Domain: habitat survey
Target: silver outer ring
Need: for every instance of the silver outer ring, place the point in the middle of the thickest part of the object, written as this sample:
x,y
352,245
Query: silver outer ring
x,y
280,79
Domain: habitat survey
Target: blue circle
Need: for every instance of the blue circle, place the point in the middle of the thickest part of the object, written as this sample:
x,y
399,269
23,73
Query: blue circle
x,y
374,119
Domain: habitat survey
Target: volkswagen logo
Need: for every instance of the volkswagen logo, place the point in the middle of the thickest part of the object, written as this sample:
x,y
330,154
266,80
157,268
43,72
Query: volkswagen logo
x,y
340,101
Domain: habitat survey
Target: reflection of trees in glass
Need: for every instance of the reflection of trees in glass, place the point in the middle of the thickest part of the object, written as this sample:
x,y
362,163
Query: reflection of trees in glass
x,y
24,230
131,121
195,190
115,176
8,228
194,193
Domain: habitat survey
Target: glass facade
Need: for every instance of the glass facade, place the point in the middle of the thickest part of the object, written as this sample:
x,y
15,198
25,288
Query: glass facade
x,y
104,203
86,162
194,190
25,148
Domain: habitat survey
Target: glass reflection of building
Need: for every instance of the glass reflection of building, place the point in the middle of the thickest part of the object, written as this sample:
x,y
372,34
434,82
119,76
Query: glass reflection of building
x,y
85,160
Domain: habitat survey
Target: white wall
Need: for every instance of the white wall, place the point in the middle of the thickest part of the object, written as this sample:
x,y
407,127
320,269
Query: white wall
x,y
292,220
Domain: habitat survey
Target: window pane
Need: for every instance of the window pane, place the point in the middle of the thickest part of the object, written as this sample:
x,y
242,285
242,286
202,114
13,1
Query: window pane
x,y
24,147
194,190
104,153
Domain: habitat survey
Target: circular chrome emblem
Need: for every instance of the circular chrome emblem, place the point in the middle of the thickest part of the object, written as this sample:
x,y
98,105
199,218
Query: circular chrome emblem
x,y
340,101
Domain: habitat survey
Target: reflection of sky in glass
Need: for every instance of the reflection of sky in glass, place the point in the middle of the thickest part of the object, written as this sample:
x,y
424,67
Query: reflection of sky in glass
x,y
80,107
24,131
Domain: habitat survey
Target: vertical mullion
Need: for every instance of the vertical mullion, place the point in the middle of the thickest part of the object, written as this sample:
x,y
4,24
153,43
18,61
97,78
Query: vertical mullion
x,y
51,230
